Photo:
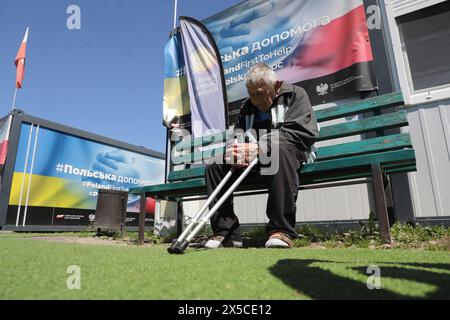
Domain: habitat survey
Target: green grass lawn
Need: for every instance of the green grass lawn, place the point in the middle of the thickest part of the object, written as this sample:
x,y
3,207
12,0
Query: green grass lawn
x,y
37,269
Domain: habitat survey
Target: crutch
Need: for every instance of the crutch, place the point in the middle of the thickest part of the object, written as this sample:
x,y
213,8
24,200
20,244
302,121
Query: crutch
x,y
185,238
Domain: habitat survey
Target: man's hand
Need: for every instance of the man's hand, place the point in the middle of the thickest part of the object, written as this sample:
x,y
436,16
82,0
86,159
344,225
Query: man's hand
x,y
240,155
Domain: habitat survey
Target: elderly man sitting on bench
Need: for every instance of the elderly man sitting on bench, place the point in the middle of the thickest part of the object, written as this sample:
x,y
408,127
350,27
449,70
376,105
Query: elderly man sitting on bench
x,y
286,128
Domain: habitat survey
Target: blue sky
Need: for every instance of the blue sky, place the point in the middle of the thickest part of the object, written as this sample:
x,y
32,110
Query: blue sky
x,y
106,78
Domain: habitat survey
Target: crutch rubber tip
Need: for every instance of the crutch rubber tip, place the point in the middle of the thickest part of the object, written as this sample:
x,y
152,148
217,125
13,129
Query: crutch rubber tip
x,y
178,247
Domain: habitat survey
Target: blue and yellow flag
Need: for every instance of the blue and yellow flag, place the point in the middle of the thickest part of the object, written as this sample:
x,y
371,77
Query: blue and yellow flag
x,y
176,96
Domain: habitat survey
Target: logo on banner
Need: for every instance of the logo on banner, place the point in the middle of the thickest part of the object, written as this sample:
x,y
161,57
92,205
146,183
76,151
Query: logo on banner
x,y
322,89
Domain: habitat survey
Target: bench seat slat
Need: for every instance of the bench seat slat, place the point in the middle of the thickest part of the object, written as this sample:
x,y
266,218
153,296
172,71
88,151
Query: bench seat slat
x,y
383,157
202,141
186,174
198,156
170,187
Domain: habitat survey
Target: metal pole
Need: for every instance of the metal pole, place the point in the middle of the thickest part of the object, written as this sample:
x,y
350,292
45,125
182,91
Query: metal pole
x,y
31,175
14,99
175,14
168,155
141,226
24,175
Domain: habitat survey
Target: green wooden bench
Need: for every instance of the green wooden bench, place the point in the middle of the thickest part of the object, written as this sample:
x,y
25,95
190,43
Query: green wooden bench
x,y
369,160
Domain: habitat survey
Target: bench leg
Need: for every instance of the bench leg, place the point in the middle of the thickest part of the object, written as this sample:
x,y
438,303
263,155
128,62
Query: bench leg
x,y
141,227
389,199
380,203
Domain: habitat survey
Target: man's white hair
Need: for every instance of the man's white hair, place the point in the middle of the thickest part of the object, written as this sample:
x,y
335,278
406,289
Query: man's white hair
x,y
261,72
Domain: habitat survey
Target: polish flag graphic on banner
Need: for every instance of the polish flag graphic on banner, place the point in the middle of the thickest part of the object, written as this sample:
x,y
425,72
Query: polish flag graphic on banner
x,y
5,127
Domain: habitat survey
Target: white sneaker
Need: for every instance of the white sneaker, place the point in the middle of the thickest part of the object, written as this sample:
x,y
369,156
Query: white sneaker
x,y
279,240
276,243
213,243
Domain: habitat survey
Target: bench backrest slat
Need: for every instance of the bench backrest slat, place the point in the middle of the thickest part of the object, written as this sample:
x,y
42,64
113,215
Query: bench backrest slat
x,y
361,106
386,121
391,142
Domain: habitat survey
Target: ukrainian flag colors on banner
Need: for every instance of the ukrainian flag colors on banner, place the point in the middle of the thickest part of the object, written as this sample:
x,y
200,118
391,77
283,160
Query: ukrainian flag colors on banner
x,y
176,96
51,192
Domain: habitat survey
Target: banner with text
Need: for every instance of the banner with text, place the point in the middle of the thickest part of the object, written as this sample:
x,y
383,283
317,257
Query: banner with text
x,y
321,45
67,173
205,77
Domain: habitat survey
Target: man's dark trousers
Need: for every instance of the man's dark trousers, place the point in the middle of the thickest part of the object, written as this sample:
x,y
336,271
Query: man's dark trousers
x,y
281,204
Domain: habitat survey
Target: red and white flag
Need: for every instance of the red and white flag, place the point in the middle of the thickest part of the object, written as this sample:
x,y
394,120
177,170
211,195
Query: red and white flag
x,y
20,61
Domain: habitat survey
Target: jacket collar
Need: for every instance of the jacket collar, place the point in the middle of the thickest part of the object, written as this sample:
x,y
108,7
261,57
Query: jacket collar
x,y
285,88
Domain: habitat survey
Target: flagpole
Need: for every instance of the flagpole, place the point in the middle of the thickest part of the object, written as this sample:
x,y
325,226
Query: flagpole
x,y
169,130
14,100
175,14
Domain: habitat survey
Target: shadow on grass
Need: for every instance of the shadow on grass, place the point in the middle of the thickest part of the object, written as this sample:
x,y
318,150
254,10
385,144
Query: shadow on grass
x,y
318,283
440,280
